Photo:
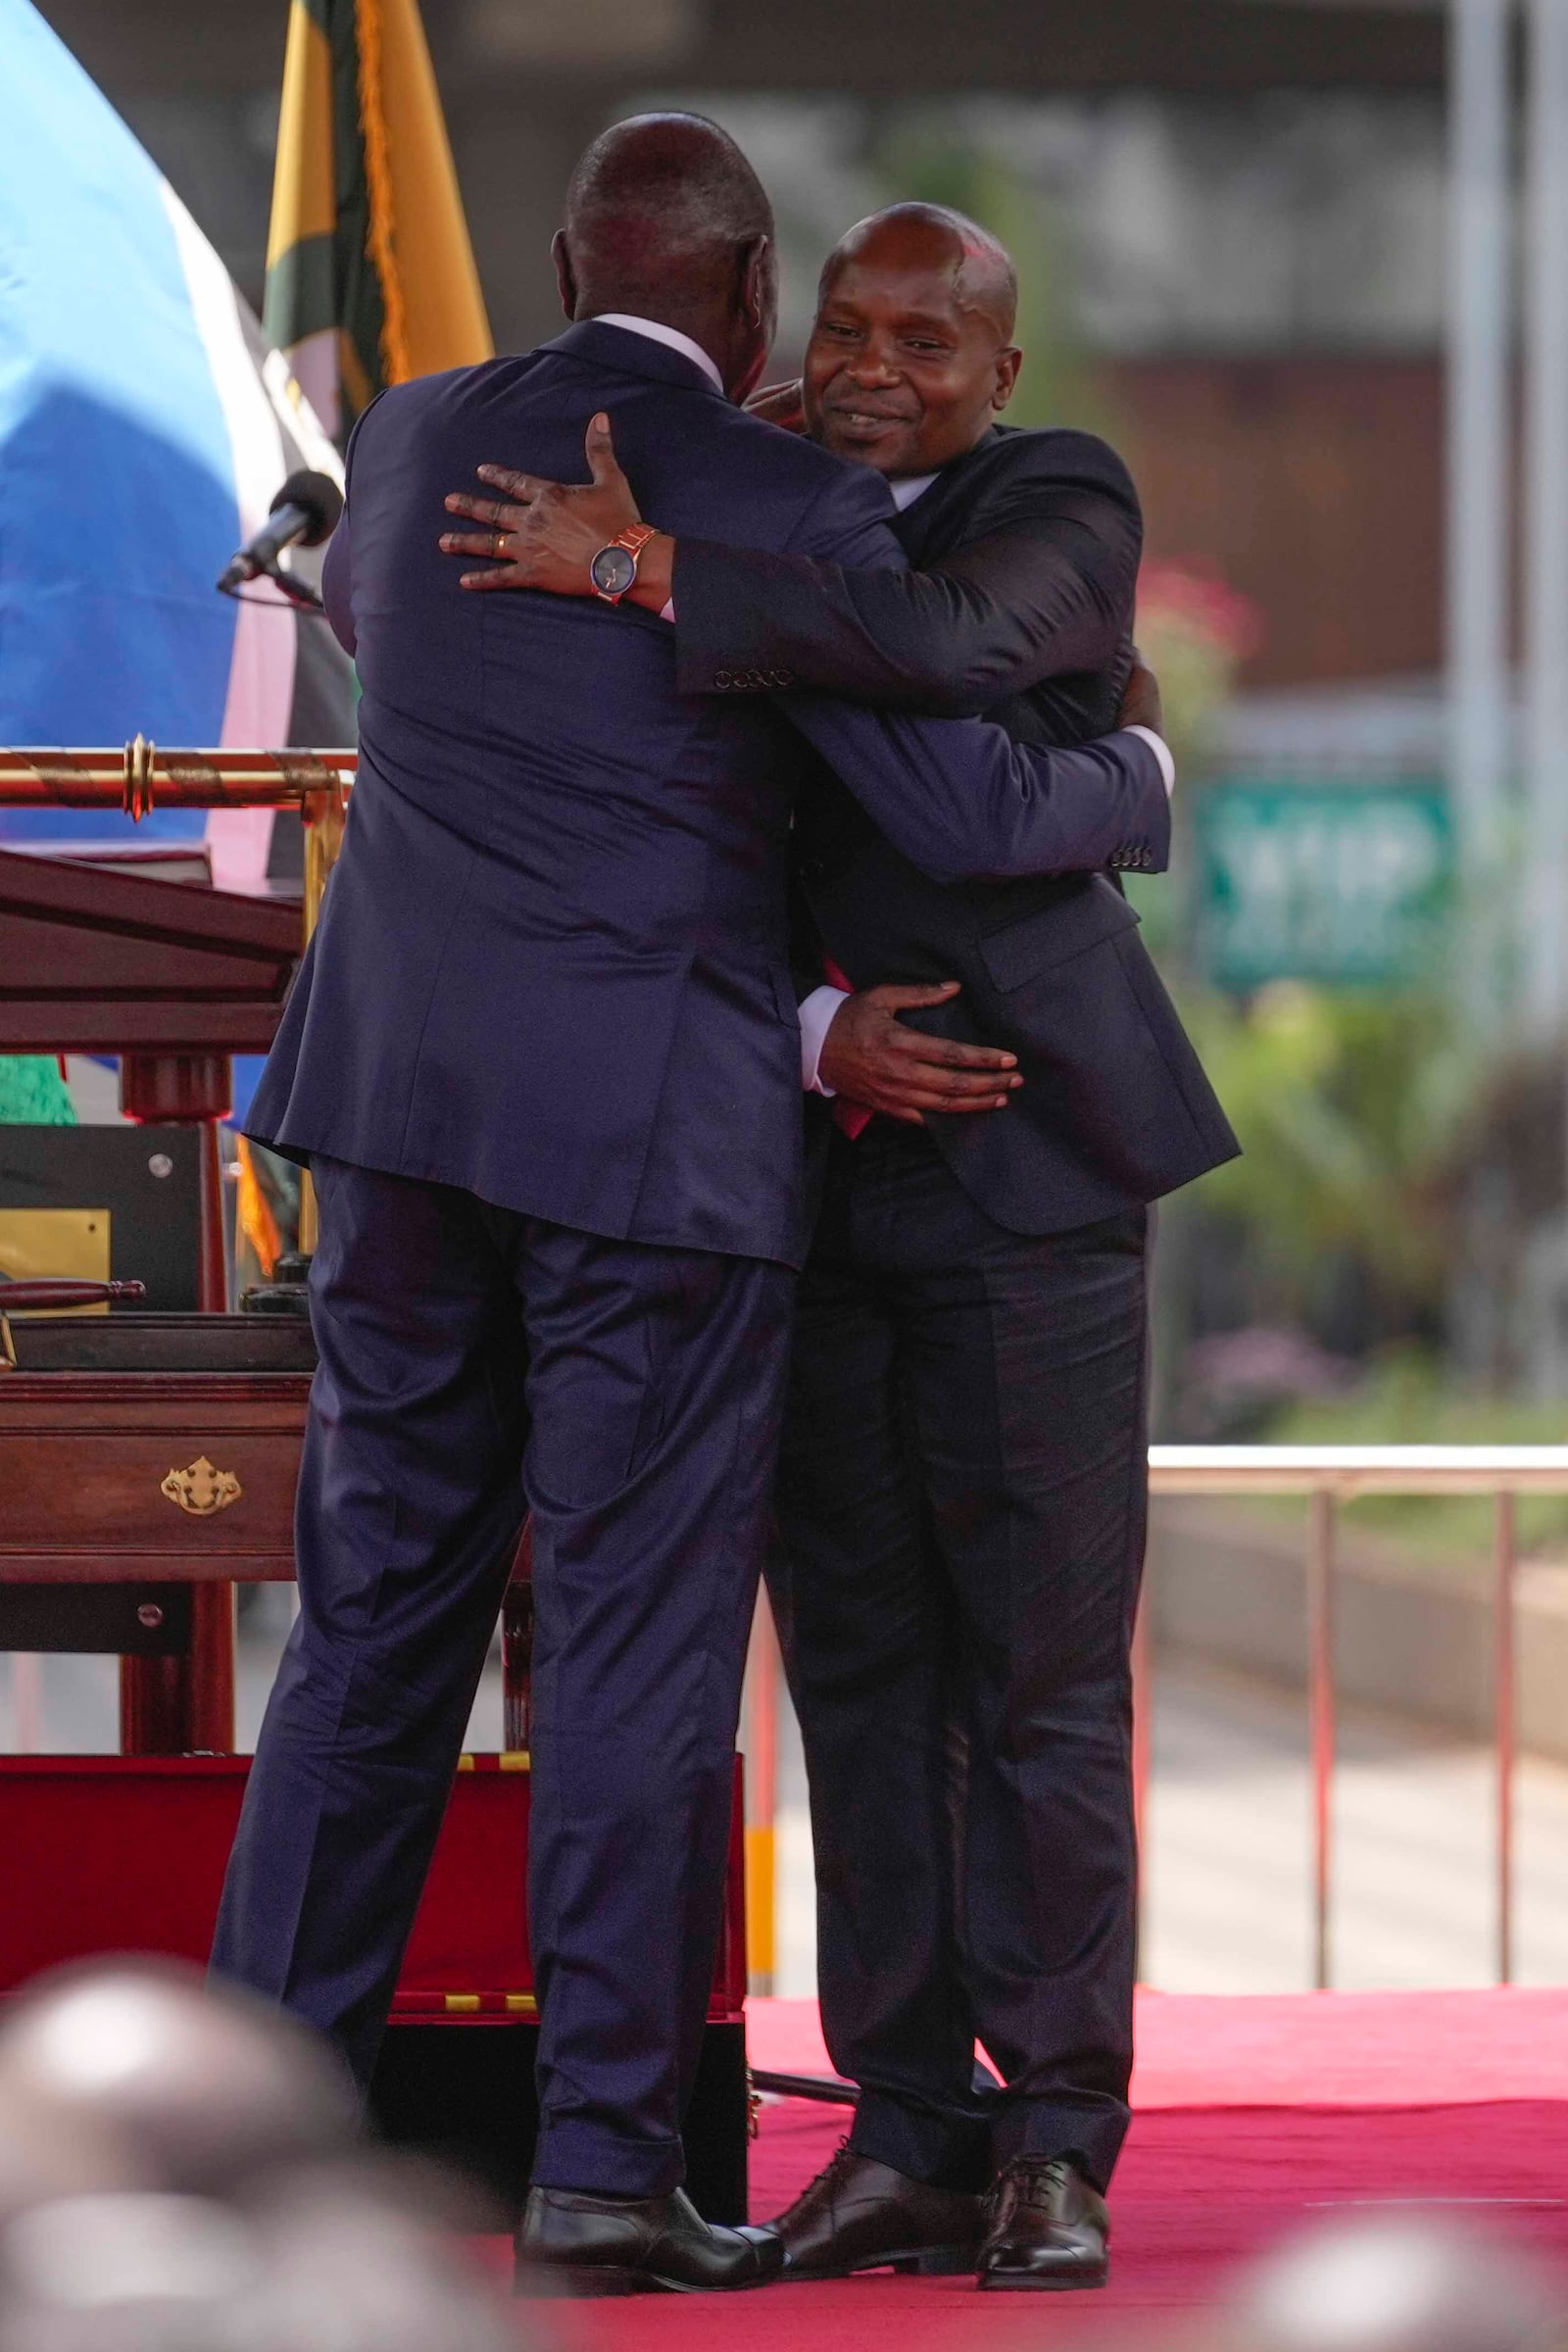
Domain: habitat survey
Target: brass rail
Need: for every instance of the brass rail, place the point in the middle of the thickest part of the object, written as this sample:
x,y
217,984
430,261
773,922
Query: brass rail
x,y
1328,1475
138,778
1334,1474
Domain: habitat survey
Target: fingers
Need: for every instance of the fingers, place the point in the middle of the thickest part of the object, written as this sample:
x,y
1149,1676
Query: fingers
x,y
962,1086
919,1099
515,485
485,509
600,451
500,576
472,543
978,1102
946,1054
902,995
935,1090
943,1052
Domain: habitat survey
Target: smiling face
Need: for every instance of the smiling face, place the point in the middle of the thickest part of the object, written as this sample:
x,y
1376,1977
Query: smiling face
x,y
911,357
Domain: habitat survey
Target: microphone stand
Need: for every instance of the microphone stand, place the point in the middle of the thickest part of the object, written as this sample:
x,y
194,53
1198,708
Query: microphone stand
x,y
297,591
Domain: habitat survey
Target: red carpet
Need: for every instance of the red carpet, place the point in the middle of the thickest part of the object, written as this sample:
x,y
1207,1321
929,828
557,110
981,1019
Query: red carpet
x,y
1253,2116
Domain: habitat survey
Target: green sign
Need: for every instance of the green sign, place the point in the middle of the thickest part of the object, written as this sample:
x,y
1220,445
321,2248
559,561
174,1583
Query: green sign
x,y
1345,883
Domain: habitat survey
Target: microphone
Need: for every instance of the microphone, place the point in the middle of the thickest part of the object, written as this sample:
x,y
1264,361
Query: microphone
x,y
304,513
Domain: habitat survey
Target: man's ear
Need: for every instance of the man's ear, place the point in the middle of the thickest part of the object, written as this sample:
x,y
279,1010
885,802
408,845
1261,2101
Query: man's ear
x,y
566,276
1008,362
757,280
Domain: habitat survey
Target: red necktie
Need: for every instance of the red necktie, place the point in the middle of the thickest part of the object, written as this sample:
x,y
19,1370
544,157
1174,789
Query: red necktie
x,y
850,1118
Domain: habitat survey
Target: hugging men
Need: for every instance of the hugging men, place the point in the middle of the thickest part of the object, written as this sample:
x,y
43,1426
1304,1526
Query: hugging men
x,y
543,1058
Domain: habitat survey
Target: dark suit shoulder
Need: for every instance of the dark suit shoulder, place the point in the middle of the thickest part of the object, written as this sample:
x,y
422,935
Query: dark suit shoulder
x,y
1014,459
819,499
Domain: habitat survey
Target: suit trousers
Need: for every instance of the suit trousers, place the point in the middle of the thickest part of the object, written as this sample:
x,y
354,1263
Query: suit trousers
x,y
474,1362
963,1502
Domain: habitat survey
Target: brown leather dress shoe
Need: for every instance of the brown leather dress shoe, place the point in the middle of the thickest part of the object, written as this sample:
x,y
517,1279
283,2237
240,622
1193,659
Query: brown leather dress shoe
x,y
858,2215
572,2244
1049,2227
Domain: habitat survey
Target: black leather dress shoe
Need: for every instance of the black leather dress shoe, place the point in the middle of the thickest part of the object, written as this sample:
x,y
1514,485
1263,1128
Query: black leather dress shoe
x,y
1049,2227
572,2243
858,2215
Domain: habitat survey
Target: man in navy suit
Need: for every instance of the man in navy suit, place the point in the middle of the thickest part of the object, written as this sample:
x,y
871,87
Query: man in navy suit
x,y
543,1062
964,1475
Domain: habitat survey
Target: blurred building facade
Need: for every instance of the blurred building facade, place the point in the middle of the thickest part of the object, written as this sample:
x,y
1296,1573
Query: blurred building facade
x,y
1240,202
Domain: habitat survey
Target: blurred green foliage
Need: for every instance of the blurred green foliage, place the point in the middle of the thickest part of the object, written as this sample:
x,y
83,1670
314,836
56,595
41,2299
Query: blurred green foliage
x,y
1407,1398
1348,1107
32,1093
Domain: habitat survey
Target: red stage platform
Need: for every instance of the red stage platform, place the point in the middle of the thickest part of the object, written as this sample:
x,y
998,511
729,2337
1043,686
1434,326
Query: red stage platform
x,y
1254,2116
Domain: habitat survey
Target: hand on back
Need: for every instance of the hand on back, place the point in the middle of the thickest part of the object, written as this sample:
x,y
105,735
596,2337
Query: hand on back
x,y
545,534
873,1058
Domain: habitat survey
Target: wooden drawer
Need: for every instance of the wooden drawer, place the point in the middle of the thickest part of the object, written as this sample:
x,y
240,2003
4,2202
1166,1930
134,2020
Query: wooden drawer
x,y
185,1475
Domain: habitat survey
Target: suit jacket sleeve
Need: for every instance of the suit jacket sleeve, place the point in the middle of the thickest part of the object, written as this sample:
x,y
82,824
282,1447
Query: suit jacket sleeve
x,y
337,572
959,797
961,800
1042,588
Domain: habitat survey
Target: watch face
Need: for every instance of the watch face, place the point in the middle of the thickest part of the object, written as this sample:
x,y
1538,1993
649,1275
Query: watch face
x,y
613,572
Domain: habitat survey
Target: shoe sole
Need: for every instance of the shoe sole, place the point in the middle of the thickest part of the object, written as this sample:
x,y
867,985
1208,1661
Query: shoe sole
x,y
581,2282
1021,2282
923,2261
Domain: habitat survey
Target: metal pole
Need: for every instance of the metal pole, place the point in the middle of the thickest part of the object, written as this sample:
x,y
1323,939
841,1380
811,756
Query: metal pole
x,y
1320,1712
323,811
1504,1559
1143,1665
1478,502
1546,325
763,1672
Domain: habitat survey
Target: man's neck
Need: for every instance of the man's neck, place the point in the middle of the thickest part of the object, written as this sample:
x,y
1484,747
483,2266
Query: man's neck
x,y
661,330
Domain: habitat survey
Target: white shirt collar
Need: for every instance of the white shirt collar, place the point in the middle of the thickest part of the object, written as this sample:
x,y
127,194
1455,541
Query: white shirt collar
x,y
907,487
668,335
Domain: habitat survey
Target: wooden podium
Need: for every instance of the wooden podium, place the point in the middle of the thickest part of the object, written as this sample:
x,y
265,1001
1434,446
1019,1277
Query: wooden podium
x,y
176,979
150,1463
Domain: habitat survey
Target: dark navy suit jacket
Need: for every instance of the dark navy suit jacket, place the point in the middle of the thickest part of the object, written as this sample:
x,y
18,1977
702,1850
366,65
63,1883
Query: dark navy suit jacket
x,y
1027,549
552,966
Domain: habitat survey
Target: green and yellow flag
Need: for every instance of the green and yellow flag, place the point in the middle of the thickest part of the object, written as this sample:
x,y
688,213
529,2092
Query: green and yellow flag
x,y
369,273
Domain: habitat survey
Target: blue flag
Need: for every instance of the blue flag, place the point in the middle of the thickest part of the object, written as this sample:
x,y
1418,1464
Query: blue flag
x,y
144,430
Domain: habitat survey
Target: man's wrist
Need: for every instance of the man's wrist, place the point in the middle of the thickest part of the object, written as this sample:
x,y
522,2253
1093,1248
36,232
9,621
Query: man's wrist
x,y
1162,752
655,574
818,1014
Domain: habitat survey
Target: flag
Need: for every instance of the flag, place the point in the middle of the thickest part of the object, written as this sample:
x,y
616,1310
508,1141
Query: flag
x,y
145,427
369,273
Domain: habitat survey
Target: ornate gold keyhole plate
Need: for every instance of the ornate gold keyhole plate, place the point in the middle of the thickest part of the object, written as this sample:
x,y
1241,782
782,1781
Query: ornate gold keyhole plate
x,y
201,1490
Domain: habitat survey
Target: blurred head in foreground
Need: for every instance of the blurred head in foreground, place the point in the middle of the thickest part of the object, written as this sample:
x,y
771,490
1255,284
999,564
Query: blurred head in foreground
x,y
179,2172
1400,2284
340,2266
156,2082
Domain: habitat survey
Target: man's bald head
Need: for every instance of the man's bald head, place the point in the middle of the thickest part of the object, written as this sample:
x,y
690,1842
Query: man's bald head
x,y
932,237
666,219
659,189
911,356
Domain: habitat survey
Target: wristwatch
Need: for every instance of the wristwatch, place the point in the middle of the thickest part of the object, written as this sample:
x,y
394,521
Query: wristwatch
x,y
614,568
